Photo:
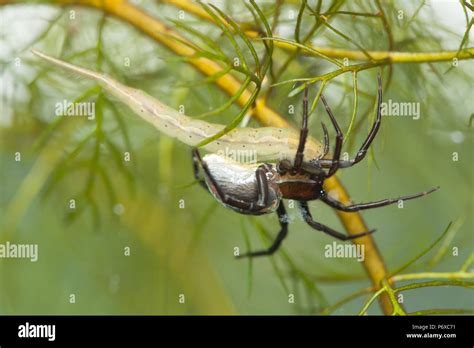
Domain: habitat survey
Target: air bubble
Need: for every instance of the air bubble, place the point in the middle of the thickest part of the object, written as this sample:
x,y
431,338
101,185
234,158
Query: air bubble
x,y
119,209
457,137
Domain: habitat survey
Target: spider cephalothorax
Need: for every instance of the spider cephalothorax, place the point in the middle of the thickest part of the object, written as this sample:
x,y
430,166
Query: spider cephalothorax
x,y
256,190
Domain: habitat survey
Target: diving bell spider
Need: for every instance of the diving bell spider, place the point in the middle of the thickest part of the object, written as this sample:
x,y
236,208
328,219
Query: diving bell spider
x,y
259,190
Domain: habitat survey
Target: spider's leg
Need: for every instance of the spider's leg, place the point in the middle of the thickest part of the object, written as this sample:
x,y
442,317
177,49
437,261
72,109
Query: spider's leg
x,y
361,206
303,133
262,186
326,141
283,219
375,127
320,227
196,161
244,206
368,141
316,160
339,140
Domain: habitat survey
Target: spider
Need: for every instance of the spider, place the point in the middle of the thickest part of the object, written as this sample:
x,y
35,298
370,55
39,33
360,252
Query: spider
x,y
259,190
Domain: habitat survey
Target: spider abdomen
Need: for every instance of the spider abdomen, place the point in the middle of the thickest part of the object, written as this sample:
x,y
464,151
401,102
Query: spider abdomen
x,y
239,181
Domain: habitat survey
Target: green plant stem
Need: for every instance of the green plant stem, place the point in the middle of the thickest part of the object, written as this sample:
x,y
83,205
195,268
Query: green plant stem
x,y
433,275
345,300
337,53
442,311
371,300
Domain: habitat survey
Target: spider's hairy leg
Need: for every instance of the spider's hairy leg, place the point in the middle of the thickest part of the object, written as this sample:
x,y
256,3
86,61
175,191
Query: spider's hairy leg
x,y
325,146
320,227
283,219
323,163
262,186
339,140
303,133
361,206
196,161
326,141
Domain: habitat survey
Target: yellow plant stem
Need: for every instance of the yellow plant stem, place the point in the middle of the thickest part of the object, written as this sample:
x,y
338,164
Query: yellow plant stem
x,y
354,223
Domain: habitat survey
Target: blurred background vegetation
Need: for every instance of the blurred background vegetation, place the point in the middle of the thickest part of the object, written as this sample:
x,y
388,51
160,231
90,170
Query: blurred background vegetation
x,y
138,204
